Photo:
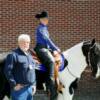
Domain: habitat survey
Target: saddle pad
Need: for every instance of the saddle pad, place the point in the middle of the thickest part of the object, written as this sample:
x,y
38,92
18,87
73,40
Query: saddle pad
x,y
43,68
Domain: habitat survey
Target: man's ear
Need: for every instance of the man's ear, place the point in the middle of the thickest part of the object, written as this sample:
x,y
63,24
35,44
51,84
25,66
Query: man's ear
x,y
92,42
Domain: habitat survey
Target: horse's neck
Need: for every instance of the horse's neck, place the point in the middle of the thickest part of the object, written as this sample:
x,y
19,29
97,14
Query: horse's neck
x,y
76,60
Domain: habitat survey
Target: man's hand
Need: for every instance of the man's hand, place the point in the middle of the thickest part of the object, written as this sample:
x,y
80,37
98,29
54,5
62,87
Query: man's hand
x,y
34,89
17,87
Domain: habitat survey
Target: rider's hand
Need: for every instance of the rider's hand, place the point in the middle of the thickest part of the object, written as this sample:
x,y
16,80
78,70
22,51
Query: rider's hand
x,y
59,51
55,53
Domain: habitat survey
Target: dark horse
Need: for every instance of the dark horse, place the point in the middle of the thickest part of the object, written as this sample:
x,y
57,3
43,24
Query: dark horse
x,y
4,85
89,50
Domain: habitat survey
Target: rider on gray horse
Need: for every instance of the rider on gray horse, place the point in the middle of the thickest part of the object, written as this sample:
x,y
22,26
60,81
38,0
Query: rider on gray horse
x,y
43,46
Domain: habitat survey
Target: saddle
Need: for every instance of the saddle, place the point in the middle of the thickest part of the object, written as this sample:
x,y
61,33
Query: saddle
x,y
35,57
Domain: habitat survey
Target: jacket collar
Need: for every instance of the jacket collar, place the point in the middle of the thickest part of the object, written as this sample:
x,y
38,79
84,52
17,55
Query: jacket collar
x,y
21,51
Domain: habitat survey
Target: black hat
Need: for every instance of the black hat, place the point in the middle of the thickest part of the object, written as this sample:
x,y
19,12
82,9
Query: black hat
x,y
43,14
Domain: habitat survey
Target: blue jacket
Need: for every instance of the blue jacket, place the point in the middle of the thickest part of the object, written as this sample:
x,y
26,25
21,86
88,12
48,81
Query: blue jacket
x,y
19,68
42,37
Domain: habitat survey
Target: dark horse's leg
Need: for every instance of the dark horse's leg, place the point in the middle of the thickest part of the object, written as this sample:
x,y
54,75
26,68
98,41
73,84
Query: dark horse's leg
x,y
4,85
40,79
5,91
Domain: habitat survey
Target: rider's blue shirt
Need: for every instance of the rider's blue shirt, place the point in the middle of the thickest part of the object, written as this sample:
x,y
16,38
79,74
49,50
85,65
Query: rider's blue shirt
x,y
42,37
19,68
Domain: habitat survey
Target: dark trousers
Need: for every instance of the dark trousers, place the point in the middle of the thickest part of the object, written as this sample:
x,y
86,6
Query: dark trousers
x,y
47,59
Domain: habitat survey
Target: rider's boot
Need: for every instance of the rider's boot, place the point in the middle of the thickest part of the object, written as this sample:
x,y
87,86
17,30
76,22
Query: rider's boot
x,y
52,88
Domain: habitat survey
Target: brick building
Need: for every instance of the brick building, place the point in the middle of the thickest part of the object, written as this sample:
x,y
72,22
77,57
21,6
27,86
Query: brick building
x,y
71,21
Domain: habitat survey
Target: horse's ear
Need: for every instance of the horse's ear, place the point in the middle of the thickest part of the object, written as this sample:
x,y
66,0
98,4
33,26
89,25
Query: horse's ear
x,y
93,42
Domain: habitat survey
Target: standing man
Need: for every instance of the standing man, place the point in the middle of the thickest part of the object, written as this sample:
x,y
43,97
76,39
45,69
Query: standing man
x,y
20,72
43,44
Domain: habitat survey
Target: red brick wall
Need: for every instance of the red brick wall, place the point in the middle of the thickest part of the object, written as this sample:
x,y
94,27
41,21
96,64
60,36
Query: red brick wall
x,y
71,21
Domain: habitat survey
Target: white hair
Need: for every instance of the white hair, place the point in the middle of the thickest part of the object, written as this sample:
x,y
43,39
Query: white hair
x,y
24,37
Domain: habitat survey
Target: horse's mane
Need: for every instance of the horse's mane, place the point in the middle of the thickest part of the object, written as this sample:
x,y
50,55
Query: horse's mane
x,y
97,48
72,49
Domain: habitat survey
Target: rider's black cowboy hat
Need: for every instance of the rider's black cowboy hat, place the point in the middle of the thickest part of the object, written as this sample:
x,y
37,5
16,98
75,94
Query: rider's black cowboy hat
x,y
43,14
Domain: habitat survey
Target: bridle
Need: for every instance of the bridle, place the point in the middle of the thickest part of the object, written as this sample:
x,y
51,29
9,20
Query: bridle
x,y
87,60
71,73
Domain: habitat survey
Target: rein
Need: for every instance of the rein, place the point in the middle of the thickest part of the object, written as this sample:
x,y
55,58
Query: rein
x,y
71,73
